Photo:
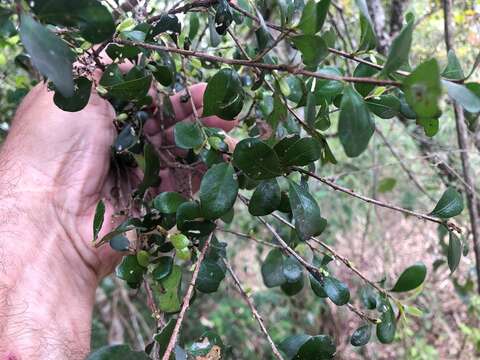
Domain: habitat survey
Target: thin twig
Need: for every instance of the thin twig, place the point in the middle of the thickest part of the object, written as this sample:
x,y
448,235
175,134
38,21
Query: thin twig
x,y
246,236
186,300
255,313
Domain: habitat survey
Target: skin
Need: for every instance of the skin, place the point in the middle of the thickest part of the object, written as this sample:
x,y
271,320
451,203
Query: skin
x,y
54,168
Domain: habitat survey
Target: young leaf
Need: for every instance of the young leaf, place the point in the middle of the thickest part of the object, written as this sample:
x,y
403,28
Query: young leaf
x,y
265,199
169,300
400,48
218,191
461,94
336,290
78,100
361,336
423,89
188,135
224,95
117,352
313,49
306,212
179,241
168,202
313,16
272,269
449,205
388,326
98,218
256,159
454,252
49,54
355,124
411,278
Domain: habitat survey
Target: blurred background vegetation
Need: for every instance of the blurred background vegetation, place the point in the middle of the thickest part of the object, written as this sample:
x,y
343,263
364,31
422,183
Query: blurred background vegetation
x,y
379,242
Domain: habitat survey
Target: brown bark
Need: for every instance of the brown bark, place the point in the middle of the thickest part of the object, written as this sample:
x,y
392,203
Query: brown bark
x,y
377,13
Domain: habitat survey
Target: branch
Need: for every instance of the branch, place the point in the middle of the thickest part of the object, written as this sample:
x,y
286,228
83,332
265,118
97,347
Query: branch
x,y
295,70
246,236
186,300
255,313
345,190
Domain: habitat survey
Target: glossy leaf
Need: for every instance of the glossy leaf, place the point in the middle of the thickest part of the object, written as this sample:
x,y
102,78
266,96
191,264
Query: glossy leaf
x,y
306,347
152,168
384,106
292,269
210,276
224,95
461,94
313,16
79,99
336,290
368,297
272,269
190,220
388,326
218,191
188,135
368,38
294,287
265,199
454,251
423,89
167,23
411,278
98,218
400,48
449,205
168,202
361,336
130,270
313,49
266,164
306,212
49,54
355,125
169,299
119,243
317,288
301,152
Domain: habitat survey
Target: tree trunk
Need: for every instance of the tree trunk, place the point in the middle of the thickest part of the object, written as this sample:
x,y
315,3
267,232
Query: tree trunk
x,y
377,13
396,16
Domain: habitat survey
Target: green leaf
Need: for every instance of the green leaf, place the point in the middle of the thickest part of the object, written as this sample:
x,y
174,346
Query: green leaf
x,y
116,352
179,241
165,69
361,336
293,288
364,70
336,290
384,106
188,135
453,70
292,269
400,48
224,95
218,191
368,297
430,126
449,205
78,100
152,168
167,23
92,18
163,337
317,288
210,276
368,39
133,86
313,49
130,270
386,184
423,89
98,218
272,269
49,54
265,199
313,16
119,243
190,220
205,344
168,202
388,326
169,299
306,212
355,125
329,88
292,344
306,347
256,159
299,152
461,94
454,252
411,278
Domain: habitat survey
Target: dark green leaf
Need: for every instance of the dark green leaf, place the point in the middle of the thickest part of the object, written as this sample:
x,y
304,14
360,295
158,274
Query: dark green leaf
x,y
364,70
265,199
194,25
130,270
119,243
368,39
49,54
133,86
423,89
210,276
224,95
301,152
116,352
336,290
188,135
293,288
165,69
330,88
384,106
355,125
152,168
461,94
272,269
313,16
317,288
168,202
453,70
361,336
126,139
292,344
98,218
190,220
387,328
78,100
218,190
292,269
411,278
205,344
164,335
400,48
449,205
454,252
318,347
256,159
313,49
306,212
368,297
167,23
